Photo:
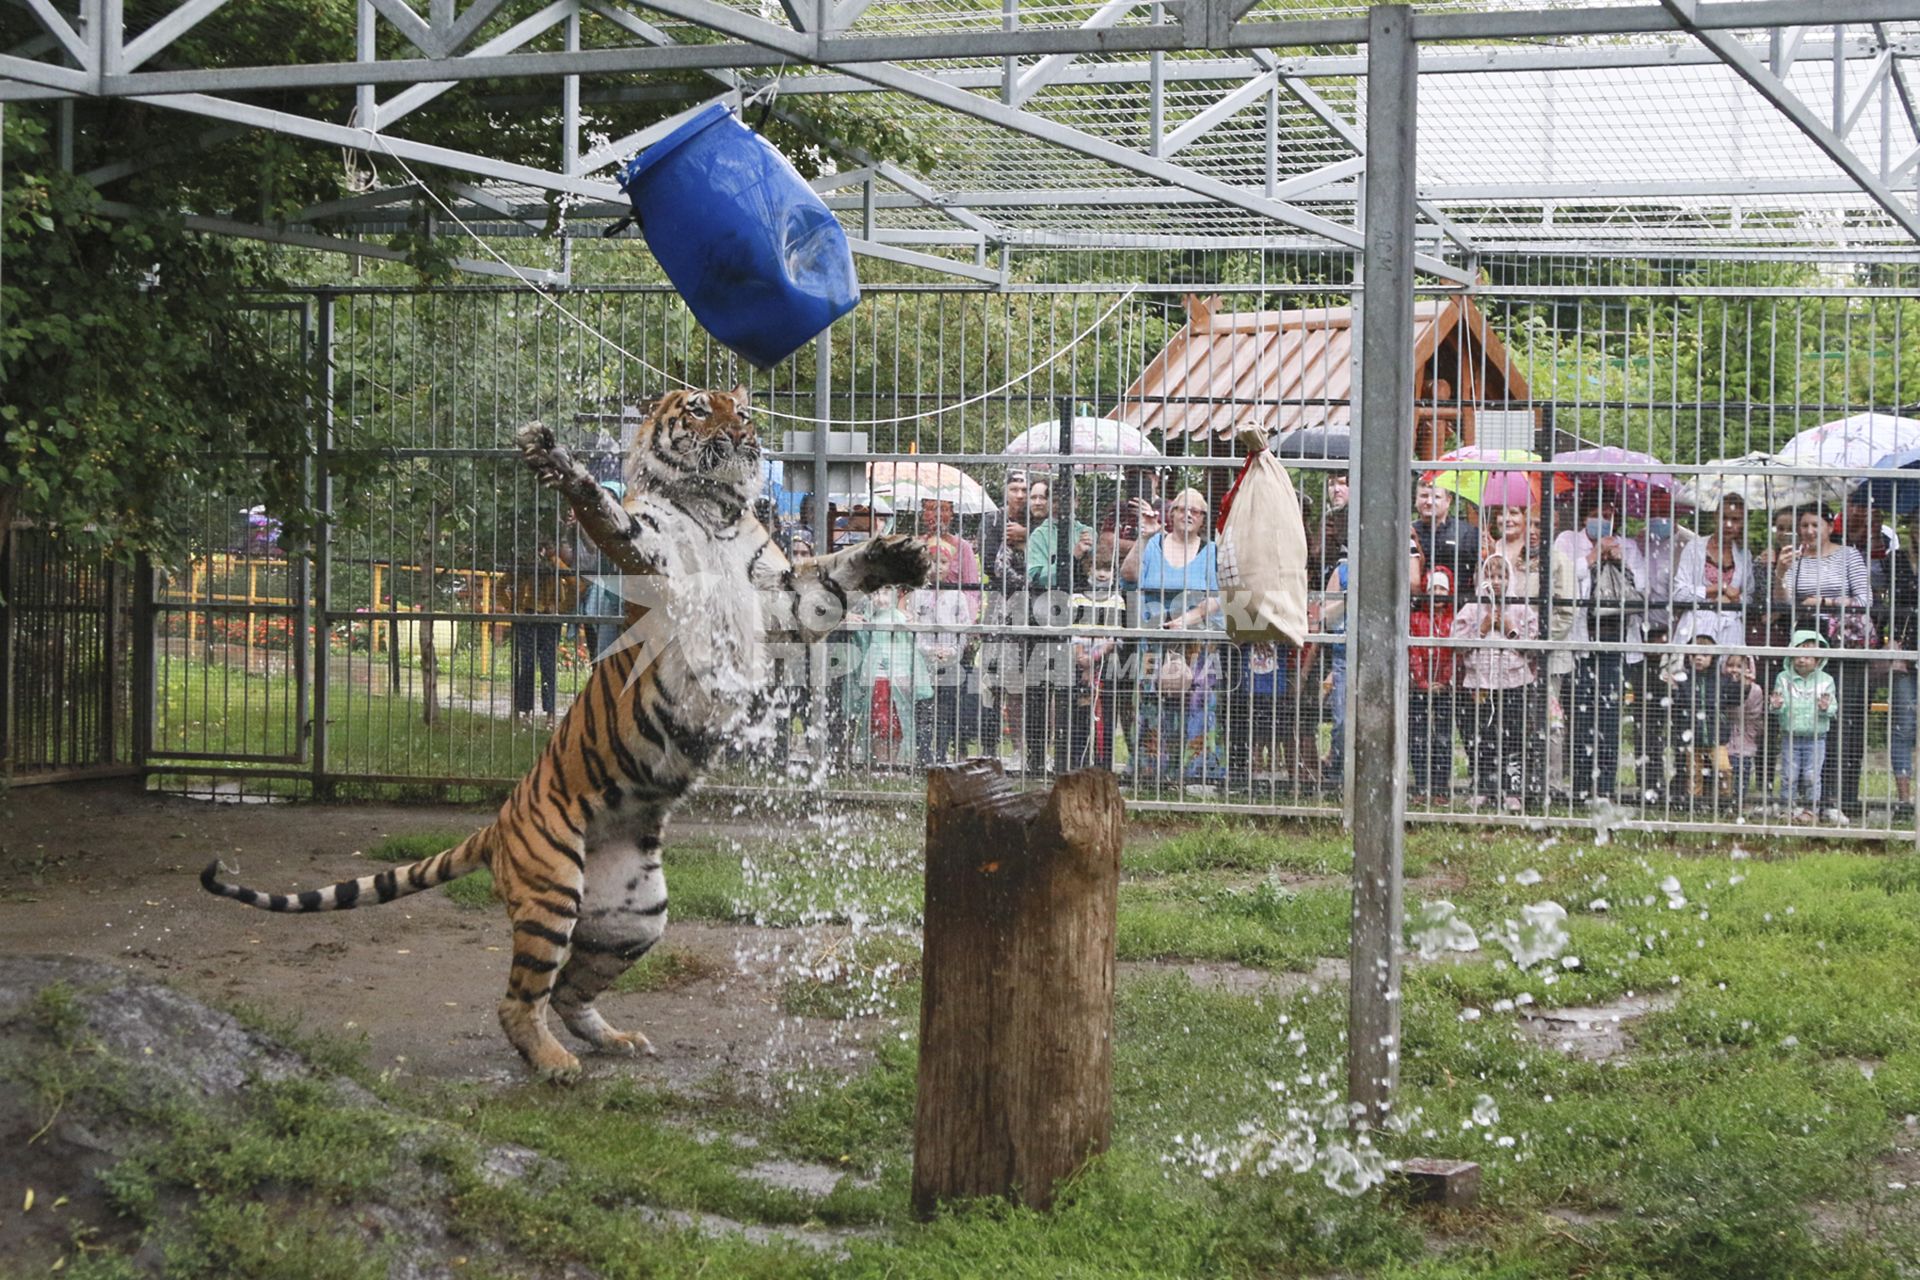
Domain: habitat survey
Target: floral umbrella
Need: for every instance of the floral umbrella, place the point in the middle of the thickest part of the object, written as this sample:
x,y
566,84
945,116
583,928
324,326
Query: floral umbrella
x,y
1466,484
1855,442
1642,493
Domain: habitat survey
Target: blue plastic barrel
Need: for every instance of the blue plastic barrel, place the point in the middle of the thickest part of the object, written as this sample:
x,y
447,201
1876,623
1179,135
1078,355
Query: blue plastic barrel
x,y
760,261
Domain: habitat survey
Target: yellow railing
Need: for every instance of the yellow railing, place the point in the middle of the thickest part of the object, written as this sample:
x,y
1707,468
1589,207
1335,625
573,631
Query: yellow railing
x,y
202,571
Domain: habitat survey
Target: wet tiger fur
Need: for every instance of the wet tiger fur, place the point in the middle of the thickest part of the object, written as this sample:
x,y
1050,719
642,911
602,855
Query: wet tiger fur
x,y
575,850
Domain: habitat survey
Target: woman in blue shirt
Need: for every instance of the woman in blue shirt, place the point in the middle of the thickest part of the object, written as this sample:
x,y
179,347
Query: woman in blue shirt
x,y
1175,578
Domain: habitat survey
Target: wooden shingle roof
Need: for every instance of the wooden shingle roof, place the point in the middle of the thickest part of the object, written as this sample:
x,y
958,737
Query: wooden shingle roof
x,y
1291,369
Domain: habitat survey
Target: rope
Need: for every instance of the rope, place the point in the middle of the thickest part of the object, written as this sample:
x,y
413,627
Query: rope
x,y
582,324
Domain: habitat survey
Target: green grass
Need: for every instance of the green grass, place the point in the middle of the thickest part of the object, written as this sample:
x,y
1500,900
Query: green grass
x,y
217,708
1776,1079
664,968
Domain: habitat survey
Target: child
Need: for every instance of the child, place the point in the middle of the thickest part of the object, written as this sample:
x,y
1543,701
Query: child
x,y
1746,713
1495,707
1803,697
1698,724
1430,708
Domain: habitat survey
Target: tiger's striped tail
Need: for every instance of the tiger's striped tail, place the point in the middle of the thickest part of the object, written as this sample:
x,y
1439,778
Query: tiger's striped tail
x,y
395,882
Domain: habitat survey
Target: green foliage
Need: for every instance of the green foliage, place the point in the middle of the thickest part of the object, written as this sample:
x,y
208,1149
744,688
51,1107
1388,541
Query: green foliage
x,y
134,384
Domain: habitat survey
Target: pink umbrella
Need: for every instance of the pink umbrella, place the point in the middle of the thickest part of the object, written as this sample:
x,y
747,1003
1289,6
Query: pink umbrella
x,y
1642,493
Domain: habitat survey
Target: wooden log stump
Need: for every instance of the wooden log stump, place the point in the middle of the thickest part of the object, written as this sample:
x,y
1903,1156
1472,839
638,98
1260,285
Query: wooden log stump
x,y
1016,1010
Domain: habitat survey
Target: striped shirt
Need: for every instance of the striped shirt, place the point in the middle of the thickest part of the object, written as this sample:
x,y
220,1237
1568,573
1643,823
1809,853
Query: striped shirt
x,y
1839,575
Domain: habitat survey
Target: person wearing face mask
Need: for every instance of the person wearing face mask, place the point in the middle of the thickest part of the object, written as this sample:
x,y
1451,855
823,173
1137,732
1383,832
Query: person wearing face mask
x,y
1609,576
1662,545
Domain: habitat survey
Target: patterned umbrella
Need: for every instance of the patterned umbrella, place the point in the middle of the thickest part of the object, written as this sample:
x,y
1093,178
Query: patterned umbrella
x,y
1468,484
1852,442
1090,435
910,483
1643,493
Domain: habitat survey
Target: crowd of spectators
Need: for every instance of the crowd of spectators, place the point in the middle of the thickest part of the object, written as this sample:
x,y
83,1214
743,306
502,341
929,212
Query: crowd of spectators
x,y
1549,650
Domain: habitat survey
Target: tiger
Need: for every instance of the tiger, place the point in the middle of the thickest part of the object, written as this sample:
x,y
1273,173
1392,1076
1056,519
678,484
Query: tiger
x,y
575,850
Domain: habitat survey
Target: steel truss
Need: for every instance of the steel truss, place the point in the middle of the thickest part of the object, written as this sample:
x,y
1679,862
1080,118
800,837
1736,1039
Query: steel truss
x,y
1249,139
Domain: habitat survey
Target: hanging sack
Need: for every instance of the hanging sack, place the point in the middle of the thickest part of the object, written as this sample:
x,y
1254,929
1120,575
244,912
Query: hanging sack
x,y
1263,550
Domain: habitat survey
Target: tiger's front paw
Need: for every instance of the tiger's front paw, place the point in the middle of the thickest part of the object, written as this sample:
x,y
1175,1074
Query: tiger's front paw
x,y
896,560
539,450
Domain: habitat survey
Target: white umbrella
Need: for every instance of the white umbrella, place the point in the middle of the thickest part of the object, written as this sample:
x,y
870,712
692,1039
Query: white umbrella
x,y
1761,479
1090,435
1853,442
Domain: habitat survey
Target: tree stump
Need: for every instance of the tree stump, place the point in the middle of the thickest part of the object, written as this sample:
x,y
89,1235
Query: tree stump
x,y
1016,1010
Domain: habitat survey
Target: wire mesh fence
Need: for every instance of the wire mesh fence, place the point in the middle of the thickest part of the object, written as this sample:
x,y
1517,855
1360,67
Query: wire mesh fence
x,y
1641,497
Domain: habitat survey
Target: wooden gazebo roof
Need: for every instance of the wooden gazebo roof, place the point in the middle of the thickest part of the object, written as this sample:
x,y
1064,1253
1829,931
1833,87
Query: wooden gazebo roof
x,y
1291,369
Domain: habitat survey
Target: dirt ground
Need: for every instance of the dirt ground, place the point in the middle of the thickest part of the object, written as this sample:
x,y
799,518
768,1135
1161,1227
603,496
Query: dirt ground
x,y
107,871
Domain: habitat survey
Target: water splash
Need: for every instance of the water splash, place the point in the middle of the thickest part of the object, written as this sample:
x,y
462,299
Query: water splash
x,y
1437,928
1540,934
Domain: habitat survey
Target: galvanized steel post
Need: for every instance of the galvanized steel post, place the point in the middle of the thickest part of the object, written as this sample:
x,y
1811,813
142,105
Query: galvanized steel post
x,y
1376,661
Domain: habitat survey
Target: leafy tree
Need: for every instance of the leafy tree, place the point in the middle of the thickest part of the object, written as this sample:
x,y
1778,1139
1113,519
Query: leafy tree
x,y
136,382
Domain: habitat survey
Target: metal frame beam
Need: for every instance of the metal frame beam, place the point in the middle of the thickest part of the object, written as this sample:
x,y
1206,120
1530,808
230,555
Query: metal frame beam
x,y
1350,134
368,140
1775,90
61,30
164,32
324,243
402,17
1224,108
1330,181
1048,69
1876,80
516,36
666,55
768,43
607,153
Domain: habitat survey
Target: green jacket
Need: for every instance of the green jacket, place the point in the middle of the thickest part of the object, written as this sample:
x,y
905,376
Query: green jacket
x,y
1800,713
1042,542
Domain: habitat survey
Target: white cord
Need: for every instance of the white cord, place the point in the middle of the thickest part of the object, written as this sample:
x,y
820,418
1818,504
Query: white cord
x,y
557,305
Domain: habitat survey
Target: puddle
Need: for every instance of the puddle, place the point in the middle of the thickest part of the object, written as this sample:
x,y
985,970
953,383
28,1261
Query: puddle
x,y
1596,1033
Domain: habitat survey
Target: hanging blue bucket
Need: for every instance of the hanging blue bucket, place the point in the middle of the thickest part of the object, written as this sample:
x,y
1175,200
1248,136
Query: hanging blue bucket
x,y
760,261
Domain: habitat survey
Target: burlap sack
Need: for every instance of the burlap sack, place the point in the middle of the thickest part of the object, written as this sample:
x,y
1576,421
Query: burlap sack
x,y
1263,552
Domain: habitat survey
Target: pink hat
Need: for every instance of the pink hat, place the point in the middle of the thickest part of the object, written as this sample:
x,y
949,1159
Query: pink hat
x,y
1509,489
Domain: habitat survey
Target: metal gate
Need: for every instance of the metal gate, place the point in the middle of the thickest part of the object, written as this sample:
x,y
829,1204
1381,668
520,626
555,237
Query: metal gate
x,y
66,666
227,667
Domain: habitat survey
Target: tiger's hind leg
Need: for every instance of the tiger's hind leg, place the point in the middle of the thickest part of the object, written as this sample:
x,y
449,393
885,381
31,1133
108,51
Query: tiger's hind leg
x,y
545,908
590,972
625,914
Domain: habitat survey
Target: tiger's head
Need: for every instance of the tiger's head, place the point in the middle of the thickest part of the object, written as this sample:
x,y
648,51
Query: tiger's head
x,y
699,440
